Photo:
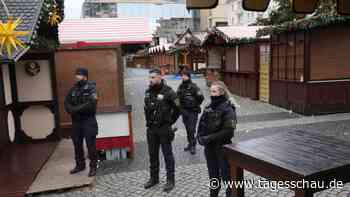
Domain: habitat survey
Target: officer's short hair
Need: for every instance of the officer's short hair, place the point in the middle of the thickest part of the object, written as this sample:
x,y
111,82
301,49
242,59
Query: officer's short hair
x,y
155,70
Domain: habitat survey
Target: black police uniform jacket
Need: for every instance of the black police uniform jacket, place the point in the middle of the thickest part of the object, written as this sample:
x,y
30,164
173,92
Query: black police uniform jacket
x,y
161,106
218,122
190,96
81,103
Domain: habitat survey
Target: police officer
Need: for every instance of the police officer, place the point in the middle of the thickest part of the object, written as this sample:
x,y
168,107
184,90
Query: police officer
x,y
161,112
216,128
80,103
191,98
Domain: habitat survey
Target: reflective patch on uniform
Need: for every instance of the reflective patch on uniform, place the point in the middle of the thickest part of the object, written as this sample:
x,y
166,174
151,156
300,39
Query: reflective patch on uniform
x,y
177,102
160,97
230,124
199,93
94,96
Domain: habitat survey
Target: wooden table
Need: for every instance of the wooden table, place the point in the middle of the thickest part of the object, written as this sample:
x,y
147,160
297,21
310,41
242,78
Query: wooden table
x,y
291,156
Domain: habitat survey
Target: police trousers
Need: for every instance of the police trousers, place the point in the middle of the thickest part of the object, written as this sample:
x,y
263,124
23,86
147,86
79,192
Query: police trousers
x,y
190,119
218,168
161,138
85,129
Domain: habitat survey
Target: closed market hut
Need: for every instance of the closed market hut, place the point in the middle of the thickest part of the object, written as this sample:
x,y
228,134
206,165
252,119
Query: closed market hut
x,y
188,50
161,57
310,72
101,53
140,60
246,61
214,45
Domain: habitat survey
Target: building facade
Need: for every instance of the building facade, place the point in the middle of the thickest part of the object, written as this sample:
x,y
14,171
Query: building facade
x,y
230,13
237,16
214,17
153,10
170,28
100,9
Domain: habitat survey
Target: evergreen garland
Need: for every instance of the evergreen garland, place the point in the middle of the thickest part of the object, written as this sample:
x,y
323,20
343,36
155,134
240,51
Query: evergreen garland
x,y
47,35
304,24
325,15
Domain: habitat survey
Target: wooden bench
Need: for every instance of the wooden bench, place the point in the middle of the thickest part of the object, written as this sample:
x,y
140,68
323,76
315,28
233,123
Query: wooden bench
x,y
291,156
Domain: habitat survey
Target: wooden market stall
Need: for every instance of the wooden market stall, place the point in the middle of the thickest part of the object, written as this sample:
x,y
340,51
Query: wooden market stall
x,y
188,51
246,61
140,60
101,54
28,108
214,46
310,72
160,57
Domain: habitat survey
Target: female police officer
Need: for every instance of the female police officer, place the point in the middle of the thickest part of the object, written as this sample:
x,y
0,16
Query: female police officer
x,y
216,128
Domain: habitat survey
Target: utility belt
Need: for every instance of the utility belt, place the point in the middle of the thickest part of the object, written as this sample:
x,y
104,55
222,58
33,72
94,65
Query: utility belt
x,y
156,125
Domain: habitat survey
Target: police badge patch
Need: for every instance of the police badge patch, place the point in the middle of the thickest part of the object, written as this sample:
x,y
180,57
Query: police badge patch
x,y
160,97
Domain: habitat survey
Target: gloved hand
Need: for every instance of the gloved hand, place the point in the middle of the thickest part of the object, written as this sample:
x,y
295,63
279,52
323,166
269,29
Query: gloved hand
x,y
203,140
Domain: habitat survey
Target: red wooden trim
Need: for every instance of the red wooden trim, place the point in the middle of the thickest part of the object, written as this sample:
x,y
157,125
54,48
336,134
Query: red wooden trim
x,y
278,56
257,69
286,57
271,68
307,53
96,44
295,56
286,81
113,142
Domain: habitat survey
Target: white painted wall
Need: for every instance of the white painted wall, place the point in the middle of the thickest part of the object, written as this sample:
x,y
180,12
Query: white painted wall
x,y
38,122
11,126
7,84
34,88
113,124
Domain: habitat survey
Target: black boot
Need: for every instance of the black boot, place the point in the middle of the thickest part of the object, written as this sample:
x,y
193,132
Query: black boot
x,y
150,183
170,184
77,169
92,171
193,150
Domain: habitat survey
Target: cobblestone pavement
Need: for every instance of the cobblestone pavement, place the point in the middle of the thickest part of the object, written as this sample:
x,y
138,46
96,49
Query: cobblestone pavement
x,y
256,119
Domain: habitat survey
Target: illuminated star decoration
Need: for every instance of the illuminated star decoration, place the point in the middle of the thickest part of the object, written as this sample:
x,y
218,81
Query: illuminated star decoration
x,y
54,17
9,36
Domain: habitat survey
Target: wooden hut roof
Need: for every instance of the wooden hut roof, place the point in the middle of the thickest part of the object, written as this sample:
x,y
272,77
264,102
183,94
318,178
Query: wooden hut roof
x,y
105,31
29,11
160,48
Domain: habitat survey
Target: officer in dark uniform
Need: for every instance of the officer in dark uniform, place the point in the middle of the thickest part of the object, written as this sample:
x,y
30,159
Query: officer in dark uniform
x,y
161,112
191,99
80,103
216,128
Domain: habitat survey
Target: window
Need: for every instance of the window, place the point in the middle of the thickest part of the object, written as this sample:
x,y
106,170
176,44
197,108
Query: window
x,y
221,24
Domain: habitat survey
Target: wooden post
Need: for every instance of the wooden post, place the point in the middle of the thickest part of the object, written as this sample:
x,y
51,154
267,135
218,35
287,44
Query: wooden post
x,y
236,175
131,136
